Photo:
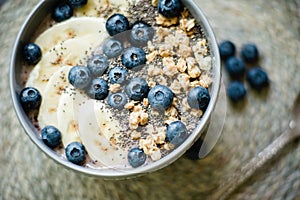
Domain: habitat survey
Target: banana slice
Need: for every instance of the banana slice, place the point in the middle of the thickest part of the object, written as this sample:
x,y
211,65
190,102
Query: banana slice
x,y
55,87
72,52
98,131
91,28
67,114
97,7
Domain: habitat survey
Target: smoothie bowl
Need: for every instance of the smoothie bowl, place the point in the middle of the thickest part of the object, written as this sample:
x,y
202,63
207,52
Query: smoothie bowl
x,y
115,88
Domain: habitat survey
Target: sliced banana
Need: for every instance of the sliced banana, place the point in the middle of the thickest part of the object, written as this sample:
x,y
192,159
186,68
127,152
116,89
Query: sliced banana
x,y
91,28
67,114
52,93
97,7
98,131
72,52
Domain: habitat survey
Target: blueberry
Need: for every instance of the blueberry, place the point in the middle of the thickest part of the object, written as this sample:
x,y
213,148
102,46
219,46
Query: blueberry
x,y
133,57
98,89
227,49
235,67
160,97
198,98
62,12
79,77
117,23
236,91
112,48
30,99
137,89
117,100
257,78
76,153
136,157
32,53
51,136
170,8
176,133
98,64
249,53
141,33
117,75
77,3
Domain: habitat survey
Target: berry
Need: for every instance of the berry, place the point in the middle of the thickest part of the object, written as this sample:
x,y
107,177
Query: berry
x,y
160,97
170,8
79,77
32,53
62,12
257,78
176,133
117,23
227,49
77,3
235,67
198,98
117,75
249,53
112,48
133,58
75,153
30,99
136,157
117,100
98,64
51,136
141,33
137,89
236,91
98,89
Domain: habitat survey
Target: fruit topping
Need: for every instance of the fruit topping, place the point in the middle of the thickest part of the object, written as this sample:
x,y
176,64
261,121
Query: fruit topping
x,y
160,97
62,12
98,89
30,99
51,136
117,100
133,58
98,65
79,77
136,157
170,8
141,33
76,153
117,75
198,98
176,133
112,48
32,53
117,23
137,89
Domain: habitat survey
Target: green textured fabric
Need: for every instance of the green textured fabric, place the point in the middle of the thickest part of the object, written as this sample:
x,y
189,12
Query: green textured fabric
x,y
26,173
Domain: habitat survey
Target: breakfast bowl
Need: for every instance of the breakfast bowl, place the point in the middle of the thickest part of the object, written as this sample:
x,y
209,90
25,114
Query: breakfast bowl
x,y
159,93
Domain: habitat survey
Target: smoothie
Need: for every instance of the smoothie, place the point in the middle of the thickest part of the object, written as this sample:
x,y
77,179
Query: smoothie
x,y
123,83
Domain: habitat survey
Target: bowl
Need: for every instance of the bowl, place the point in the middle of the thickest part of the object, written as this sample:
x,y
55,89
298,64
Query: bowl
x,y
34,20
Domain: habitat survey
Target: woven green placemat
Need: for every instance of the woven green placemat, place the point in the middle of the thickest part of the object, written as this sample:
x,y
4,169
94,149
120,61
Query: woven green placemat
x,y
26,173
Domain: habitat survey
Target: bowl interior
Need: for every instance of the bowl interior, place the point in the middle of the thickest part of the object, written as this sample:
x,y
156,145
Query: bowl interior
x,y
36,17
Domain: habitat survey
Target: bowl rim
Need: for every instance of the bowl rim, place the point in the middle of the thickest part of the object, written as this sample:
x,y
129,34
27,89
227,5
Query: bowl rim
x,y
111,172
